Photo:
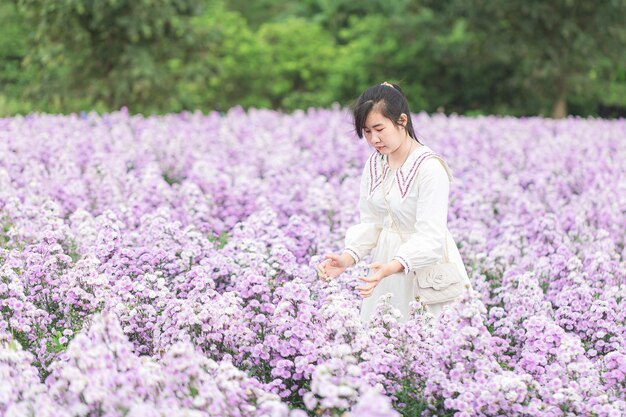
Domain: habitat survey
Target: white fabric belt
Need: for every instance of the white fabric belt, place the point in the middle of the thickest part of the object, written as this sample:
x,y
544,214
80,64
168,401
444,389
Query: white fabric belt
x,y
392,230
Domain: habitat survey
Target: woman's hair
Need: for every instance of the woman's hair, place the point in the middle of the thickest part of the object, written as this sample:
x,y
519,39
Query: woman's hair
x,y
389,101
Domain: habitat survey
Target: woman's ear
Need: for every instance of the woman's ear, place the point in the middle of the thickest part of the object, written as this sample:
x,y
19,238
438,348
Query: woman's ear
x,y
403,119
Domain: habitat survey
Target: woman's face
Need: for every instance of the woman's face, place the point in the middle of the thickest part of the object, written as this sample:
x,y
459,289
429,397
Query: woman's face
x,y
382,134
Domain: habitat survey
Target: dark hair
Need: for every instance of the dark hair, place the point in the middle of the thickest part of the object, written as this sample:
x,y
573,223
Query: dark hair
x,y
391,103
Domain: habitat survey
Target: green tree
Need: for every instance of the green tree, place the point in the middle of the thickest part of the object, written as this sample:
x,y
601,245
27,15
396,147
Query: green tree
x,y
373,50
302,57
258,12
470,57
13,49
604,91
554,44
113,52
282,65
336,15
230,65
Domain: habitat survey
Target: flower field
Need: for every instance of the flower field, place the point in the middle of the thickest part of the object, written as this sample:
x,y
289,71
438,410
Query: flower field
x,y
165,266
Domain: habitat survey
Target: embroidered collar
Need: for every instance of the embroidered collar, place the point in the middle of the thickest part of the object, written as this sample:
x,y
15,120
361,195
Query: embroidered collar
x,y
409,160
379,169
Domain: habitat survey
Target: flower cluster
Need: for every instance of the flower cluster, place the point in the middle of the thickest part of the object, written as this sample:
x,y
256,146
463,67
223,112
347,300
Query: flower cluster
x,y
165,265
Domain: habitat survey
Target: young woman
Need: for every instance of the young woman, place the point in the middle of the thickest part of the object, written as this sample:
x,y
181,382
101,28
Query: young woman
x,y
403,206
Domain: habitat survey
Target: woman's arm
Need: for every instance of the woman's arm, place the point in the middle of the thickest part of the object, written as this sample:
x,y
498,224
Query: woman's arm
x,y
426,244
360,238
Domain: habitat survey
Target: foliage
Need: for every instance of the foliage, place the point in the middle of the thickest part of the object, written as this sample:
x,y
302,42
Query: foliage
x,y
114,52
302,57
554,44
474,57
228,66
13,48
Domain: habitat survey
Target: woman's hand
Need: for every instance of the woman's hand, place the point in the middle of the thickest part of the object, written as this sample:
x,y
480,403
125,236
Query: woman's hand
x,y
380,271
334,265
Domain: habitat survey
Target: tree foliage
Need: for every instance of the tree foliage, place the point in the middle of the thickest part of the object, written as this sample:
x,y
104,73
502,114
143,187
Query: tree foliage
x,y
554,44
114,52
470,57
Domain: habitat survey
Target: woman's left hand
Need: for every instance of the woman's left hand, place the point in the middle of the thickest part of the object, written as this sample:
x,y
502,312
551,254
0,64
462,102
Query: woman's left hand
x,y
380,271
372,281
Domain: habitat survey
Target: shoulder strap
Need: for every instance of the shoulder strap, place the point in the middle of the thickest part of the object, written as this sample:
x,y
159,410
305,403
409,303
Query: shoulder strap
x,y
445,166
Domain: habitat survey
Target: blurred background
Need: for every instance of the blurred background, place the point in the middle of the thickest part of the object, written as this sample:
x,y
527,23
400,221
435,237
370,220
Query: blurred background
x,y
507,57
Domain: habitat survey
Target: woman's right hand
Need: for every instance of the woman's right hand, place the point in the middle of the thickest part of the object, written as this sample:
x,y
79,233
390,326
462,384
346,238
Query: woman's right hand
x,y
334,265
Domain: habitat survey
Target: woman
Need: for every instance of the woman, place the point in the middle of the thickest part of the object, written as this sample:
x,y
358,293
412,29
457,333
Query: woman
x,y
403,205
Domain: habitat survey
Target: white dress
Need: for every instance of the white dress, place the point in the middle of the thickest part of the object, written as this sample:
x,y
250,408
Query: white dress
x,y
418,199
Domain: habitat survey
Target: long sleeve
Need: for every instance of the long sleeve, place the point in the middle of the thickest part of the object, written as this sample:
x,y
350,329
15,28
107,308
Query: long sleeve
x,y
426,245
362,237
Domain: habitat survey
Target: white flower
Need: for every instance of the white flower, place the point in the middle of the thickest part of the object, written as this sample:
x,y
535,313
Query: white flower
x,y
470,331
511,396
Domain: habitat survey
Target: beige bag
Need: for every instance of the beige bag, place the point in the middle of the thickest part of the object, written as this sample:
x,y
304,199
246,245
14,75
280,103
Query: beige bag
x,y
437,283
